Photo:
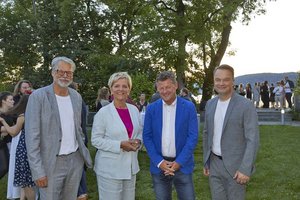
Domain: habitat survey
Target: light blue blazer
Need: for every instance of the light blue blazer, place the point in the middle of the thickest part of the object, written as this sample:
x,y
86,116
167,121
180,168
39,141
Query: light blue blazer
x,y
186,134
107,133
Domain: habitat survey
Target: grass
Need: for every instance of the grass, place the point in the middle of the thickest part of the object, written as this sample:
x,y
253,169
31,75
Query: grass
x,y
277,169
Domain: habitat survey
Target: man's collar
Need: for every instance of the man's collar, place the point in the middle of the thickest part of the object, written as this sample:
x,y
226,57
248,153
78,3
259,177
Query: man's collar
x,y
172,104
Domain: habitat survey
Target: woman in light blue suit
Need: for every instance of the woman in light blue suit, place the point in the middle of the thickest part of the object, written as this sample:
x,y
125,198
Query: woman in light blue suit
x,y
116,133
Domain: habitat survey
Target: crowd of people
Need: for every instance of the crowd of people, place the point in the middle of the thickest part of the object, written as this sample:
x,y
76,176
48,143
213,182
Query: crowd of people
x,y
45,133
277,96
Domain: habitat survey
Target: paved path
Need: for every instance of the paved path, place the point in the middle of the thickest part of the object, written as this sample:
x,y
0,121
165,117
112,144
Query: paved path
x,y
290,123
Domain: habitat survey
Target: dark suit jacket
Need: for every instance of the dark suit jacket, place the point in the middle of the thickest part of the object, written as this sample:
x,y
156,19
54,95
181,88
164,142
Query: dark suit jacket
x,y
186,134
240,136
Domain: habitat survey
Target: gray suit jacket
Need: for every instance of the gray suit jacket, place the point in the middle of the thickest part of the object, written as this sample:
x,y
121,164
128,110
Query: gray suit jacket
x,y
240,136
43,130
107,133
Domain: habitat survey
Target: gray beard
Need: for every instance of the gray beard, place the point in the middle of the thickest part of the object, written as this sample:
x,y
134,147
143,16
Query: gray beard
x,y
63,85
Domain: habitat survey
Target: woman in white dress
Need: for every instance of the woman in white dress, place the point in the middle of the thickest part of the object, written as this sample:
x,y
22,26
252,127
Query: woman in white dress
x,y
6,103
13,192
256,94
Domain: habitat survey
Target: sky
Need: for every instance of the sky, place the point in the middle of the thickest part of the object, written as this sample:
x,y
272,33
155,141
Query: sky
x,y
270,43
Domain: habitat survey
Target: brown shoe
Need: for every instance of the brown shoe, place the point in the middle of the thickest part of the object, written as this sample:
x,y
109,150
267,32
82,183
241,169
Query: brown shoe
x,y
83,197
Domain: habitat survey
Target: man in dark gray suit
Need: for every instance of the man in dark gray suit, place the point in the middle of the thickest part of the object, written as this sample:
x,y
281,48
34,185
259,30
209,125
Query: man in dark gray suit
x,y
230,139
54,138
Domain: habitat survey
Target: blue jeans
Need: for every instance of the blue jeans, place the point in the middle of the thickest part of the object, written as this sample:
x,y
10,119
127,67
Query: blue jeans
x,y
183,184
83,185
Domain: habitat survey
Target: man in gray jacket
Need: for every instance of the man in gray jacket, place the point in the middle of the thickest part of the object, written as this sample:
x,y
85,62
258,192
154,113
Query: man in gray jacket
x,y
230,138
54,139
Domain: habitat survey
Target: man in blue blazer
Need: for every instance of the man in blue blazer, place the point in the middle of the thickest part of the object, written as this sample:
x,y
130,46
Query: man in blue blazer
x,y
170,137
230,138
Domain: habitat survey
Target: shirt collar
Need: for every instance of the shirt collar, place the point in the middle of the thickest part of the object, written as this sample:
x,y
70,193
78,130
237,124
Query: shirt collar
x,y
172,104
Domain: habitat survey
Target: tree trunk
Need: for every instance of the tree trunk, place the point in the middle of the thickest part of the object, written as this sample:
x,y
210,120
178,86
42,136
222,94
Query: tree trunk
x,y
215,62
180,63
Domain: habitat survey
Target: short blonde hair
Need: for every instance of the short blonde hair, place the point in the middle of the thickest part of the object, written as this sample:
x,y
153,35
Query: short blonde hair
x,y
119,75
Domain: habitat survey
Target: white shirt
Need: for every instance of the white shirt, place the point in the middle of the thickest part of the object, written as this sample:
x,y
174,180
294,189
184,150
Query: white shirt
x,y
287,88
168,130
218,125
69,143
278,90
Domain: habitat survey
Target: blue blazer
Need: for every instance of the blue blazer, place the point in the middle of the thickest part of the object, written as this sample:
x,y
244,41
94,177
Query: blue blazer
x,y
186,134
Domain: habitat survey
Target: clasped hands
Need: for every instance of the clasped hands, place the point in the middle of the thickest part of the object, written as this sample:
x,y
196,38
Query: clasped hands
x,y
169,168
131,145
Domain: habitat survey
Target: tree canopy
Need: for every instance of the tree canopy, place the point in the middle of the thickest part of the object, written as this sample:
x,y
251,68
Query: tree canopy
x,y
141,37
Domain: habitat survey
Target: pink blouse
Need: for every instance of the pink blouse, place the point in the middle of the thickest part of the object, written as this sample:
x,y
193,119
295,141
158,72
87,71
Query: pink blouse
x,y
125,116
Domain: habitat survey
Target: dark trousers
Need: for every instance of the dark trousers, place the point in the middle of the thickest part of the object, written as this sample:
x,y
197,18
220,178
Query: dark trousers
x,y
288,97
183,184
83,185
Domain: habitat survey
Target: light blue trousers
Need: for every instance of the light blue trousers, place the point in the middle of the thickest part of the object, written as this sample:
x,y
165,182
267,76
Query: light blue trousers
x,y
116,189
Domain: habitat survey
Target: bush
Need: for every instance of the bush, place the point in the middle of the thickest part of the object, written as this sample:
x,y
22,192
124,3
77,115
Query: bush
x,y
297,88
142,84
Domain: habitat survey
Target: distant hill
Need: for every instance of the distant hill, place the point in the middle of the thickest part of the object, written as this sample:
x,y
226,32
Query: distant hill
x,y
261,77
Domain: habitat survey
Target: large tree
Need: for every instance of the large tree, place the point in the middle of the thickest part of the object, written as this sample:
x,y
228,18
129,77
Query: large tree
x,y
217,17
195,35
17,44
104,36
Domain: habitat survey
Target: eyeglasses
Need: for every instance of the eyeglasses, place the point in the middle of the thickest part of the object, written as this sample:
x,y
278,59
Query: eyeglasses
x,y
62,73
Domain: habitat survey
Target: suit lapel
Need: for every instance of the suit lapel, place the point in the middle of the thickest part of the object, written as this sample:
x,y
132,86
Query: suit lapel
x,y
228,111
76,108
119,121
53,102
159,118
179,112
211,118
73,98
134,121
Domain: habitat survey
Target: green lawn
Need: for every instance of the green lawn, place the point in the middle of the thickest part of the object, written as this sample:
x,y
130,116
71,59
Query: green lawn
x,y
277,175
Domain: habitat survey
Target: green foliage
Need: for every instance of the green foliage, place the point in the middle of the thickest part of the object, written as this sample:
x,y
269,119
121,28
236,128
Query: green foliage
x,y
297,85
296,113
105,36
103,66
18,52
142,83
5,87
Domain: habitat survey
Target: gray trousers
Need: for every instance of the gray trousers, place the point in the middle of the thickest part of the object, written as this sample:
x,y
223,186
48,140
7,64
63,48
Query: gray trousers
x,y
222,185
116,189
64,183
